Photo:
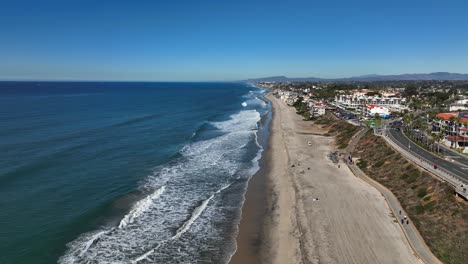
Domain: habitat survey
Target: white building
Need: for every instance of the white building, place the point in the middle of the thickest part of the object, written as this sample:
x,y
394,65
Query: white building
x,y
358,100
455,126
317,108
459,105
372,110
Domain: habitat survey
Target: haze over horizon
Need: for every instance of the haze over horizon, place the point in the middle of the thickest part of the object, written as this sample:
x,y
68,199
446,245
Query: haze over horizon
x,y
209,40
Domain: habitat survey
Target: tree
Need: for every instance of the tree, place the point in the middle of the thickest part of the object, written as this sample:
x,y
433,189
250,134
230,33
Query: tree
x,y
408,119
410,91
439,137
465,124
377,119
458,121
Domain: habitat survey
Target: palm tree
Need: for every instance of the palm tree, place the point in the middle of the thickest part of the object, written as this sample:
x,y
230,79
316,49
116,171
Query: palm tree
x,y
439,137
406,120
420,127
428,134
452,126
438,120
431,141
458,124
465,125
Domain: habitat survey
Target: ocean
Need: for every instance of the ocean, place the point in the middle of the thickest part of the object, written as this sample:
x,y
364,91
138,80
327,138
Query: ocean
x,y
116,172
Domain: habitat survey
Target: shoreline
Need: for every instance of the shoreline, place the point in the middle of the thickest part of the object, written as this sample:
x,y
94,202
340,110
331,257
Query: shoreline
x,y
251,229
302,208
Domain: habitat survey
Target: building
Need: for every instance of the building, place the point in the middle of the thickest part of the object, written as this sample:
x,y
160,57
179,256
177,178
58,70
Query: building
x,y
372,110
459,105
358,100
455,127
317,108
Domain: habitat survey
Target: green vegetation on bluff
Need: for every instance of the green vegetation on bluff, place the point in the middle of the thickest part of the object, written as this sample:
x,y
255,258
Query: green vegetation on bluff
x,y
439,216
343,130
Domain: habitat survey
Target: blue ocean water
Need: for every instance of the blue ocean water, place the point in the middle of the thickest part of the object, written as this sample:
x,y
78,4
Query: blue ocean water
x,y
125,172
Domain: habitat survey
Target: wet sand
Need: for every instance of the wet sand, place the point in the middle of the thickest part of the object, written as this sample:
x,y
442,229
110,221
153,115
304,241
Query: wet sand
x,y
313,212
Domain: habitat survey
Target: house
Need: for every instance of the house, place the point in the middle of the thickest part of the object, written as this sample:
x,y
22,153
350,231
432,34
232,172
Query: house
x,y
459,105
455,127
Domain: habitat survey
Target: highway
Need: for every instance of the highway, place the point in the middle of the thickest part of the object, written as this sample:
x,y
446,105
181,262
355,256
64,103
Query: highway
x,y
457,157
458,169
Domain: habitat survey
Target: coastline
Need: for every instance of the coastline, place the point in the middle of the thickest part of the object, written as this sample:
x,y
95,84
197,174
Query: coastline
x,y
251,228
295,214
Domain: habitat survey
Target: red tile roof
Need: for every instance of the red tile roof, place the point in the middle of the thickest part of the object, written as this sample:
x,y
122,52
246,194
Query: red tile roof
x,y
457,138
446,116
372,106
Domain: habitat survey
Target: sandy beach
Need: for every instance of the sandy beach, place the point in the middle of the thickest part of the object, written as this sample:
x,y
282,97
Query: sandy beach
x,y
302,208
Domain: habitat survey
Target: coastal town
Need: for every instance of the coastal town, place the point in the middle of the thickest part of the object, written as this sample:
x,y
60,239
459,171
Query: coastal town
x,y
442,109
394,152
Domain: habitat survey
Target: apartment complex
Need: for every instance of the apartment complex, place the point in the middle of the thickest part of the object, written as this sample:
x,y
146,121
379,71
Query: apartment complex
x,y
455,127
359,100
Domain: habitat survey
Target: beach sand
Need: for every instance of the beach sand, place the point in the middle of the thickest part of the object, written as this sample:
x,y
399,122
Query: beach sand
x,y
313,212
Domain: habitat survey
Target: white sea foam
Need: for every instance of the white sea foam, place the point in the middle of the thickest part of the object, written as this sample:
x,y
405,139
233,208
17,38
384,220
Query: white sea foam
x,y
242,121
140,207
186,226
91,241
146,233
196,213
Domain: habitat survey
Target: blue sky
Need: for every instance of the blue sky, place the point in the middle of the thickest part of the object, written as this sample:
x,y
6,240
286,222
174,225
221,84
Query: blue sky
x,y
229,40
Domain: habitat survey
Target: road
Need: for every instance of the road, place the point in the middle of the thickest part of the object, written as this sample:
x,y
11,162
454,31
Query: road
x,y
458,169
453,155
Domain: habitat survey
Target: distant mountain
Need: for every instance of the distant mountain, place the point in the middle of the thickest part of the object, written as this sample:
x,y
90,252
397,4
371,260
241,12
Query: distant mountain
x,y
269,79
283,79
440,76
414,77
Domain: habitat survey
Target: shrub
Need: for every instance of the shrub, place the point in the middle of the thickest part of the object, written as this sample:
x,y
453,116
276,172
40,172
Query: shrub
x,y
419,209
379,164
412,177
430,206
342,145
422,192
362,164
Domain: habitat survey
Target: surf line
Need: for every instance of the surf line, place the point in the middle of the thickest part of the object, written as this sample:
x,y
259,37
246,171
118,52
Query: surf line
x,y
140,207
186,226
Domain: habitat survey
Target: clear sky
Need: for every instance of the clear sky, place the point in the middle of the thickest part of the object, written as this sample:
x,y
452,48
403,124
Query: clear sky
x,y
229,40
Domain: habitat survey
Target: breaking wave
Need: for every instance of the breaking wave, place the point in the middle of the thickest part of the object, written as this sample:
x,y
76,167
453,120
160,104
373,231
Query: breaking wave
x,y
189,198
140,207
